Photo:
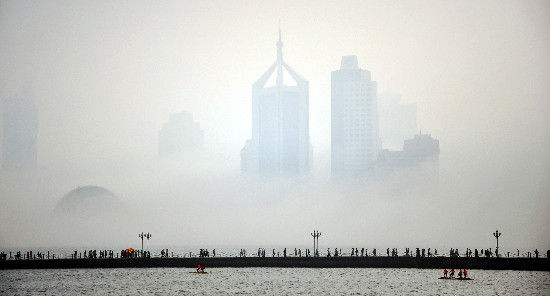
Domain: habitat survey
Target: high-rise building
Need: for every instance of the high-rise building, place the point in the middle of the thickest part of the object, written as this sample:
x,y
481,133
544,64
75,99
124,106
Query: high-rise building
x,y
354,119
280,142
397,121
180,134
418,150
20,130
422,146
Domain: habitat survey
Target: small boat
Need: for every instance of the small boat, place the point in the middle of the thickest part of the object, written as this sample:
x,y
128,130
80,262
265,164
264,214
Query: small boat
x,y
199,272
454,278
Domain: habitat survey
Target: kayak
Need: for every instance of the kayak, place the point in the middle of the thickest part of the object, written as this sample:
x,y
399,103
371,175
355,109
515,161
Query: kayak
x,y
453,278
199,272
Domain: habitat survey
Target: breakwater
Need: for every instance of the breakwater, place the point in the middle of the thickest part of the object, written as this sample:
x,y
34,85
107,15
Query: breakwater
x,y
530,264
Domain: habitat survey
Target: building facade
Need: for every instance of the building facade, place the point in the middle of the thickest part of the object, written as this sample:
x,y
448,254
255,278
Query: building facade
x,y
354,119
280,143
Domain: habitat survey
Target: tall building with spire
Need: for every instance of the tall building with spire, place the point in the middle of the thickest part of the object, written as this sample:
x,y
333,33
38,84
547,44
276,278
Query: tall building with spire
x,y
280,142
354,119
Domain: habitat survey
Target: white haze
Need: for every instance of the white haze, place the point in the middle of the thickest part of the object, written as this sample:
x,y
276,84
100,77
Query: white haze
x,y
105,76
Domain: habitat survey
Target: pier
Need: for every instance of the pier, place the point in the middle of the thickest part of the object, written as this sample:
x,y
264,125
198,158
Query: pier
x,y
529,264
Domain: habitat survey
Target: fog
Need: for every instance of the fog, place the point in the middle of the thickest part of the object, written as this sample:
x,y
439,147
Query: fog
x,y
105,77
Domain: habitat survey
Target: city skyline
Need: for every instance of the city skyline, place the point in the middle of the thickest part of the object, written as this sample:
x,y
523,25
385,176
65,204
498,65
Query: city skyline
x,y
182,135
106,77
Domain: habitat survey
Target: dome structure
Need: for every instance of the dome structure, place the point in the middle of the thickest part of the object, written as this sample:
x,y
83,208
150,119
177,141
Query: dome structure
x,y
87,198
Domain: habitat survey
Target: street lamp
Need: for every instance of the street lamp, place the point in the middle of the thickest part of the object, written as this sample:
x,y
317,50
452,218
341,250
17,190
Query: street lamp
x,y
316,234
142,236
497,234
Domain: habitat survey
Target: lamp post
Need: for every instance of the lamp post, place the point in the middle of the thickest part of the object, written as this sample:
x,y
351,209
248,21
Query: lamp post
x,y
316,234
497,234
142,236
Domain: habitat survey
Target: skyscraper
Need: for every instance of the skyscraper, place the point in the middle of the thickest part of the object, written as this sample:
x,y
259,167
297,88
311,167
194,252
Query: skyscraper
x,y
180,134
280,123
397,121
20,130
354,119
422,149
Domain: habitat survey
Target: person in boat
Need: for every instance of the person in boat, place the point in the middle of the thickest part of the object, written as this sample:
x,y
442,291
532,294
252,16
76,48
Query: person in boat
x,y
460,274
465,273
452,273
198,268
202,268
445,273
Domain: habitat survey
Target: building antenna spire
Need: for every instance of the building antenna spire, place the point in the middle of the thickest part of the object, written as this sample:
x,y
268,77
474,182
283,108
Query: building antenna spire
x,y
280,46
280,30
280,58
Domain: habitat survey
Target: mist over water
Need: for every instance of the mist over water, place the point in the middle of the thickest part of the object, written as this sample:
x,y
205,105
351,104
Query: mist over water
x,y
214,210
104,78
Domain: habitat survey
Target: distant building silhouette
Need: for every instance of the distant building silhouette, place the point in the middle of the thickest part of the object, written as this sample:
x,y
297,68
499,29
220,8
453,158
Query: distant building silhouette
x,y
90,198
280,142
354,119
397,121
20,130
180,134
420,149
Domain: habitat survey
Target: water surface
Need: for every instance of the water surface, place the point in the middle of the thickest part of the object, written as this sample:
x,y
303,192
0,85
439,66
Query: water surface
x,y
268,281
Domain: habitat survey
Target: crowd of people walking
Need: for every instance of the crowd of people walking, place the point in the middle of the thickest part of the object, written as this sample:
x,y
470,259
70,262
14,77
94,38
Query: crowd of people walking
x,y
261,252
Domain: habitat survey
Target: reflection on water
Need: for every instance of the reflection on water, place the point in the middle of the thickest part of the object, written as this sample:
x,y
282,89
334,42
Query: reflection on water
x,y
269,281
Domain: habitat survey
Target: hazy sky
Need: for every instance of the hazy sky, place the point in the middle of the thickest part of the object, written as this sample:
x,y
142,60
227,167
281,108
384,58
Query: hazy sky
x,y
105,76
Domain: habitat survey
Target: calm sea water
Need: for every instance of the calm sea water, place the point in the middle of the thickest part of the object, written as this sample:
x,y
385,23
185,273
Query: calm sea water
x,y
268,281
